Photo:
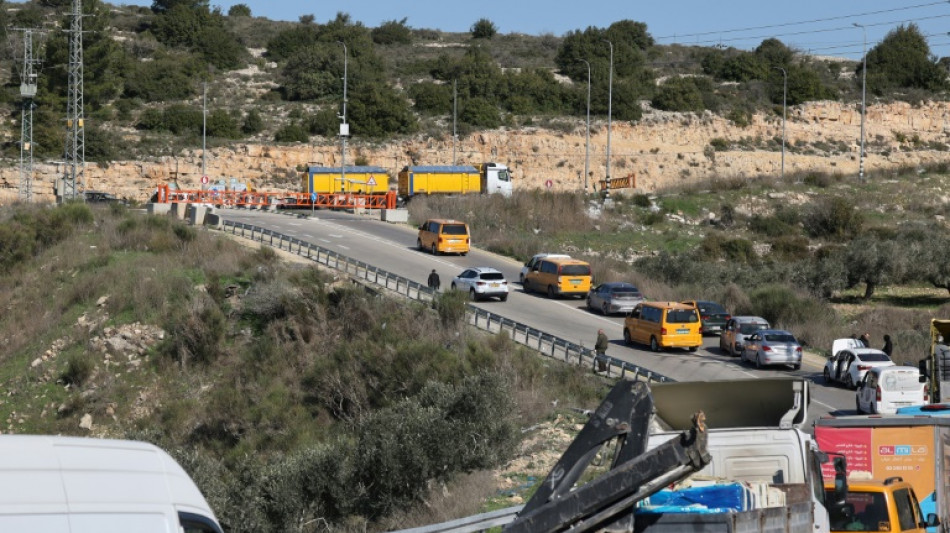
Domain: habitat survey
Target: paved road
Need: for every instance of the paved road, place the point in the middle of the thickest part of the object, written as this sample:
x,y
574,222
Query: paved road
x,y
392,247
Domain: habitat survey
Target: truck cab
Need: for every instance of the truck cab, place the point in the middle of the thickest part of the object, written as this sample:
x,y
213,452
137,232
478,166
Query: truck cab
x,y
496,178
875,505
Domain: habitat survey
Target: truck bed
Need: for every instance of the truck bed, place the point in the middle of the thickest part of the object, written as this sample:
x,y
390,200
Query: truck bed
x,y
795,518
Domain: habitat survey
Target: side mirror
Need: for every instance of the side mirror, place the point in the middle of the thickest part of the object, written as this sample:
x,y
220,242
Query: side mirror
x,y
924,367
422,227
922,379
932,520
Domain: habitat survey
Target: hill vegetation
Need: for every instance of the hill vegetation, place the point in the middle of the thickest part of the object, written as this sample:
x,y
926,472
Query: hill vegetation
x,y
146,70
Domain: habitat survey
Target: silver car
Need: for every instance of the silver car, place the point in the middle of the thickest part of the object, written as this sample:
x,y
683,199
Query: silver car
x,y
772,347
614,297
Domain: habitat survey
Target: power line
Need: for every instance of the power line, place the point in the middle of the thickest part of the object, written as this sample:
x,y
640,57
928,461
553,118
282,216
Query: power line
x,y
786,24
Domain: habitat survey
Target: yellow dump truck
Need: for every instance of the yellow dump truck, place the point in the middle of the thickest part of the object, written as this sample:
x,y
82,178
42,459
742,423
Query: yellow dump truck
x,y
356,179
449,179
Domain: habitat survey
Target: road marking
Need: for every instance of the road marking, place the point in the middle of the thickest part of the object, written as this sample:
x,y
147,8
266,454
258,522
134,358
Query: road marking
x,y
343,246
309,236
324,240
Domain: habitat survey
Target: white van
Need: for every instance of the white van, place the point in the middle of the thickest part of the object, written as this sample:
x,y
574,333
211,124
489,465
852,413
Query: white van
x,y
885,388
79,485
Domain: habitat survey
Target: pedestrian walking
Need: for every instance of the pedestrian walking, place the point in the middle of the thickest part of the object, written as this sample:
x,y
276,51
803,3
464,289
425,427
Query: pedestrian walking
x,y
888,345
600,349
433,281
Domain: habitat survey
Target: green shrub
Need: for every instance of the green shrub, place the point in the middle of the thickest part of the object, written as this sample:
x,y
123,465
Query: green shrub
x,y
719,144
392,32
781,306
679,94
79,367
195,330
641,200
291,133
451,307
483,29
790,247
833,217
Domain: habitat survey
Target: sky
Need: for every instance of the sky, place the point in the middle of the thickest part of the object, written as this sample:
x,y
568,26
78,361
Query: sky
x,y
821,27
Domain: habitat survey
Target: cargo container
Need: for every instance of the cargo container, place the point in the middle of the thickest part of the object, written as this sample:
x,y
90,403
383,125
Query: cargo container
x,y
446,179
356,179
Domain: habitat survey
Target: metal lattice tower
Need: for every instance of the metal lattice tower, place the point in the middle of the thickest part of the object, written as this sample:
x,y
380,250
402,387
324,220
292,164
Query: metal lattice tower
x,y
75,152
27,92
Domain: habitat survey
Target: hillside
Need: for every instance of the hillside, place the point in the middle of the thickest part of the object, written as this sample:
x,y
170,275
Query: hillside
x,y
680,113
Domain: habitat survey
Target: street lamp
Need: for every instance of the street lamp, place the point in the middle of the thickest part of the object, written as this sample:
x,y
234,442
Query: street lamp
x,y
864,79
587,145
344,127
784,99
610,99
204,132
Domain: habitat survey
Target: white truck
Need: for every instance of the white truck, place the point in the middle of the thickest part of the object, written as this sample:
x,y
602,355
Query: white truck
x,y
84,485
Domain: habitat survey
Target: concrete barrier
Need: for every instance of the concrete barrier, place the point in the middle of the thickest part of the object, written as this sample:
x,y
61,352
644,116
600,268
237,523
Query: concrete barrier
x,y
158,209
196,214
179,210
394,216
214,220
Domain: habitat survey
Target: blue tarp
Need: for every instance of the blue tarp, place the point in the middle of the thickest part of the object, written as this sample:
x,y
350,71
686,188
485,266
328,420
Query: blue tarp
x,y
717,498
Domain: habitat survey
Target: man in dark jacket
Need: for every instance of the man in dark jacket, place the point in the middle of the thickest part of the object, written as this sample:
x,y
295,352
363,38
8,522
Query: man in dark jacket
x,y
888,345
433,281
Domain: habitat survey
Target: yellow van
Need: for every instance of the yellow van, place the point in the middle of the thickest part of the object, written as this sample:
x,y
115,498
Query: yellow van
x,y
558,276
443,236
664,325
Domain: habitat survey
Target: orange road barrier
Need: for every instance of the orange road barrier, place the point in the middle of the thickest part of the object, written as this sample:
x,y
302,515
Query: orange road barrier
x,y
281,199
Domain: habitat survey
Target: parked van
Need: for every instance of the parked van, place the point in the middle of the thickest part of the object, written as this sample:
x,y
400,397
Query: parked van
x,y
79,485
442,236
559,276
664,325
884,389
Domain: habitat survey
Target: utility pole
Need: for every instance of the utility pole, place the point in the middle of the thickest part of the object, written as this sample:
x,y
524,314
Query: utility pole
x,y
455,103
344,127
610,100
204,133
587,144
784,96
75,151
864,112
27,92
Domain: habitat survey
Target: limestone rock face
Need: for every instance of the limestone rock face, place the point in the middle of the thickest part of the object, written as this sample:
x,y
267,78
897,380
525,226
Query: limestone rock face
x,y
662,149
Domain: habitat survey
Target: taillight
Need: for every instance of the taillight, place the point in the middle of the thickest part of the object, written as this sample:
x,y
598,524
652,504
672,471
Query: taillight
x,y
705,317
926,394
878,393
766,348
727,318
864,367
798,349
662,331
700,329
479,283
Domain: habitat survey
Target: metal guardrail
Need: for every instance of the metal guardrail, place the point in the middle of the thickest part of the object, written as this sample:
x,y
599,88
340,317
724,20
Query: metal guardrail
x,y
470,524
545,343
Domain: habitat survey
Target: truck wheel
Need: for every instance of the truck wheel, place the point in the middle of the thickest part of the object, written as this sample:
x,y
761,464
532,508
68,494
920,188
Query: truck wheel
x,y
551,291
654,346
626,337
434,250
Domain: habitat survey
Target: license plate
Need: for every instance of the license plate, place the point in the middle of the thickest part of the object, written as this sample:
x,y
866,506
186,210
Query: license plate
x,y
901,404
494,285
682,331
575,282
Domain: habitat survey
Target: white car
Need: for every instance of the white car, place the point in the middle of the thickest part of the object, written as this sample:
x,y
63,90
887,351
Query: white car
x,y
850,361
481,283
885,389
534,259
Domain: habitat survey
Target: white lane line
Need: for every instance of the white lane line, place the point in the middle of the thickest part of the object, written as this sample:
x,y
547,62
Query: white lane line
x,y
324,240
343,246
309,236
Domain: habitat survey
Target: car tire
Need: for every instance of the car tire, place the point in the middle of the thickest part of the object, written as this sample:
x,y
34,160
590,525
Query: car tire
x,y
419,244
626,337
796,367
873,409
503,297
433,250
848,382
693,348
826,375
551,291
654,346
758,362
472,295
605,309
521,279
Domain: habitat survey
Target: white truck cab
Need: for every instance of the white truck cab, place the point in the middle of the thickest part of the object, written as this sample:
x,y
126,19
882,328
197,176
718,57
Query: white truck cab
x,y
83,485
496,178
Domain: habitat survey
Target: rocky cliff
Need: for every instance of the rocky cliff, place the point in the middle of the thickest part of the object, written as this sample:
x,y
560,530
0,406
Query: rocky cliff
x,y
662,149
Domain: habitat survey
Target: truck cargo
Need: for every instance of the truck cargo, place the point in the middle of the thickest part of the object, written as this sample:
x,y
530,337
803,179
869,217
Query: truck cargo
x,y
914,447
936,365
355,179
485,178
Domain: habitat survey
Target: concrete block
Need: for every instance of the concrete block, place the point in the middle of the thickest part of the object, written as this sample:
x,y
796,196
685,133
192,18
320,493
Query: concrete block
x,y
214,220
395,216
179,210
196,214
158,209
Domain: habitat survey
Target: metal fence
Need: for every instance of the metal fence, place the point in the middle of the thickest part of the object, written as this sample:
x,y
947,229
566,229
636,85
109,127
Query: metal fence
x,y
545,343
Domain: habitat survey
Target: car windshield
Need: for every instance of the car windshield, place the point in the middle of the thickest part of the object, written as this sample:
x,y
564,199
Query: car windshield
x,y
711,308
681,316
575,270
454,229
779,337
493,276
874,357
749,328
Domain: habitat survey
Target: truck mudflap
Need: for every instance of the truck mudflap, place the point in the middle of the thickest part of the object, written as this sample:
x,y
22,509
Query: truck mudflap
x,y
635,473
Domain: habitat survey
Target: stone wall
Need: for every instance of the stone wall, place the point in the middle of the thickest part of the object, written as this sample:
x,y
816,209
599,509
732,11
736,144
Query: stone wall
x,y
662,149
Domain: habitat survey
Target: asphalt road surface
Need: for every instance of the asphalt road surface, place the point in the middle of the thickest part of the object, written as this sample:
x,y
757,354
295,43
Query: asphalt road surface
x,y
392,247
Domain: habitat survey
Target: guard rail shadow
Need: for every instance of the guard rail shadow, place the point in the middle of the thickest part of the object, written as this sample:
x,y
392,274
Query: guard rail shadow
x,y
545,343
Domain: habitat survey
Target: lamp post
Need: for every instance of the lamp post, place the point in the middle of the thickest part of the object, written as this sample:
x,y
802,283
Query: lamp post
x,y
204,131
344,127
610,99
587,145
864,79
455,107
784,99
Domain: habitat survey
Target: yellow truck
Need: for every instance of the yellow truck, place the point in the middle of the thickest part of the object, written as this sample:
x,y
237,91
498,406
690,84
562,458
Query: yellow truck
x,y
355,179
448,179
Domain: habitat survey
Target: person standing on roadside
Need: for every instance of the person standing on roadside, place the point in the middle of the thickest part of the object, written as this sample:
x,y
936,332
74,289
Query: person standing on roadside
x,y
865,339
433,281
888,345
600,349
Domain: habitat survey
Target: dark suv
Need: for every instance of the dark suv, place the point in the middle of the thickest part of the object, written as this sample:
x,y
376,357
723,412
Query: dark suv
x,y
712,315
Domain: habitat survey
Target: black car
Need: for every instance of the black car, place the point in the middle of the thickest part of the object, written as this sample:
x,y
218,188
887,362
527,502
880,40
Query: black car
x,y
712,315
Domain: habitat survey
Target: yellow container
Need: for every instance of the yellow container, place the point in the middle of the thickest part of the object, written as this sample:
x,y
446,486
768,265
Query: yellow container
x,y
439,180
358,179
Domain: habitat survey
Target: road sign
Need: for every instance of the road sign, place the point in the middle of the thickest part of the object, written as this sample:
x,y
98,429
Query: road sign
x,y
371,182
548,183
204,179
